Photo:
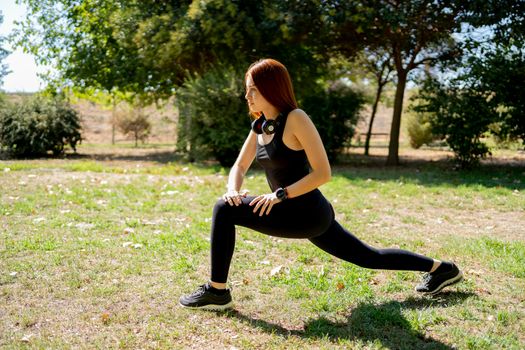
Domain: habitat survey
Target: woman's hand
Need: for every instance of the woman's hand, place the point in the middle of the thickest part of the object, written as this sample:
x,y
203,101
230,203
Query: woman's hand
x,y
233,197
264,202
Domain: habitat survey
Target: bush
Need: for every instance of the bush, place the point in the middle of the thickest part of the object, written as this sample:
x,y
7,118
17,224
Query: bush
x,y
461,116
335,112
419,128
213,116
133,121
214,119
38,125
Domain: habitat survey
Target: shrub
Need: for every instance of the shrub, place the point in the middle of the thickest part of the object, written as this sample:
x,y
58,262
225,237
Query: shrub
x,y
461,116
38,125
133,121
213,116
335,112
419,128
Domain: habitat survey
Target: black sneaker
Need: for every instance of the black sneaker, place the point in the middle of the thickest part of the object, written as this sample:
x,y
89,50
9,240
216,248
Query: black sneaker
x,y
206,299
445,275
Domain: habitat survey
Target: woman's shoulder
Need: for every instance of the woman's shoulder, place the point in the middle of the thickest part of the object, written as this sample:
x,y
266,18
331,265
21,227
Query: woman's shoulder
x,y
298,115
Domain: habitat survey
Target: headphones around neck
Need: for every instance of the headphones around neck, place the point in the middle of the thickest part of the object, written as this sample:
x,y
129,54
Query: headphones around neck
x,y
269,126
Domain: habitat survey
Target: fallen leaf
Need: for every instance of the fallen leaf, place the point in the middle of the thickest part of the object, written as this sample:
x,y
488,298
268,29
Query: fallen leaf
x,y
104,317
128,230
127,244
340,286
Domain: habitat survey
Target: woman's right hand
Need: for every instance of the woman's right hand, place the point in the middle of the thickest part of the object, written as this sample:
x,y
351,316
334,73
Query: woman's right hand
x,y
233,197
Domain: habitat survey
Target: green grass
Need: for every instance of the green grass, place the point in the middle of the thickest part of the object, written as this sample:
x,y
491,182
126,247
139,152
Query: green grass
x,y
95,252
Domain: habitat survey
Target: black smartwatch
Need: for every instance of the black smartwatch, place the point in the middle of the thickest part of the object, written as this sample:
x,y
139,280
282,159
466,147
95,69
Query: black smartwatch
x,y
281,193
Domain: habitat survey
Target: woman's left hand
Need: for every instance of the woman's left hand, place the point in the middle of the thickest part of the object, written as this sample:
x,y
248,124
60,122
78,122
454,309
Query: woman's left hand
x,y
265,203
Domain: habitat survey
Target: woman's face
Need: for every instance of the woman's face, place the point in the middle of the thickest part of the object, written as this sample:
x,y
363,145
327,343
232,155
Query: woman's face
x,y
256,101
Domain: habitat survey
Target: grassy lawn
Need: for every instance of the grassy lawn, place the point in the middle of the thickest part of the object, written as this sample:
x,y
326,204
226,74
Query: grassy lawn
x,y
95,252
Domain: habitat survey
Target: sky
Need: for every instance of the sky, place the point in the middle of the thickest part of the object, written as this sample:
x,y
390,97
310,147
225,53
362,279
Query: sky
x,y
23,76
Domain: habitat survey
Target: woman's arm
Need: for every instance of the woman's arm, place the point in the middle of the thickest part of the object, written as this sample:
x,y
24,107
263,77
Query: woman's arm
x,y
302,127
239,169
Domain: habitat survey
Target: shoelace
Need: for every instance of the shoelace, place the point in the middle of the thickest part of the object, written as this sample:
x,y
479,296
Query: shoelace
x,y
200,291
427,277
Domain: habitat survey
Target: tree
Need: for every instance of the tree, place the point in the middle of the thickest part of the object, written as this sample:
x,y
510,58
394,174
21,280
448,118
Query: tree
x,y
413,32
133,121
501,75
3,54
150,47
483,93
379,65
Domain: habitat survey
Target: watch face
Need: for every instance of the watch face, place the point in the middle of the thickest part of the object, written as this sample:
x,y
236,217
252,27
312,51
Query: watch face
x,y
280,193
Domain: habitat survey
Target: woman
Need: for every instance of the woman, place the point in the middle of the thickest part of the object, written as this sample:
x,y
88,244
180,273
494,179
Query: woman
x,y
286,143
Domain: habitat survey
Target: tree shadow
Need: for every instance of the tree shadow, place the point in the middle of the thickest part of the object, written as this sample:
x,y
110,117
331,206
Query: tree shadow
x,y
495,173
368,322
164,157
490,174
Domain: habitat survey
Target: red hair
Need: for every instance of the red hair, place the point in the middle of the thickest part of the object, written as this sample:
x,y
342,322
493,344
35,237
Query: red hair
x,y
273,82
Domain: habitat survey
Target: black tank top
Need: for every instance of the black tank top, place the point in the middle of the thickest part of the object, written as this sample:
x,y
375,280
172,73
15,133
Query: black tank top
x,y
283,166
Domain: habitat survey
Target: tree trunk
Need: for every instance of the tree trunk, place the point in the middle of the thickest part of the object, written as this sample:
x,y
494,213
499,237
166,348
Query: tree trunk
x,y
113,121
393,147
374,110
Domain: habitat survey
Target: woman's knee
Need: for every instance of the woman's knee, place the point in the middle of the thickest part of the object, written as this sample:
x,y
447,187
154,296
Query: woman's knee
x,y
221,208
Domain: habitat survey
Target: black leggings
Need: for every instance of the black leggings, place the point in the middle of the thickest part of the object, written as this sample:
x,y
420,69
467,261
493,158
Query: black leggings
x,y
308,216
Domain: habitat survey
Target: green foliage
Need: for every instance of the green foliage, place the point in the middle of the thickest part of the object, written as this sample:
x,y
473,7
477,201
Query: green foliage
x,y
133,121
414,33
462,116
149,47
38,125
3,54
213,119
501,73
419,127
484,95
335,112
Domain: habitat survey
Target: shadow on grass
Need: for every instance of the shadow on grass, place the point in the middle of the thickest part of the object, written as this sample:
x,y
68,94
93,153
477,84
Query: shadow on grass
x,y
430,173
495,173
161,157
369,322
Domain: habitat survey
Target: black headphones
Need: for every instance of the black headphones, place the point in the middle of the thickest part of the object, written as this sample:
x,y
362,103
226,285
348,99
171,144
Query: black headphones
x,y
269,127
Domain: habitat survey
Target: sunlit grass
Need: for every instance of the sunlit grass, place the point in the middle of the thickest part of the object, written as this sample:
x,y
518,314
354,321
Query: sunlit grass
x,y
94,254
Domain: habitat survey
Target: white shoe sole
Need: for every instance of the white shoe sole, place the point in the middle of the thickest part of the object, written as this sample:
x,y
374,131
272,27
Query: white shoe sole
x,y
210,307
446,283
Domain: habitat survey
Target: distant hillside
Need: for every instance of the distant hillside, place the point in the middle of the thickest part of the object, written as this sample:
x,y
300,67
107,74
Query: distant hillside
x,y
96,121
